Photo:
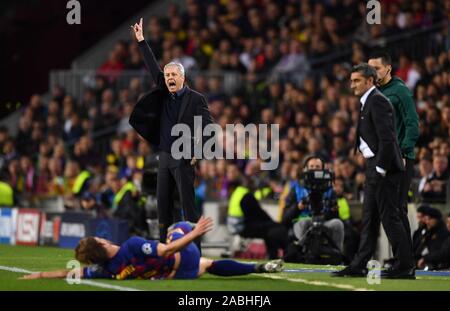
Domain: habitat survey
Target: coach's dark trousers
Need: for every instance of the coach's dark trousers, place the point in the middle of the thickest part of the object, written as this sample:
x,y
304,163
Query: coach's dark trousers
x,y
405,182
175,175
381,203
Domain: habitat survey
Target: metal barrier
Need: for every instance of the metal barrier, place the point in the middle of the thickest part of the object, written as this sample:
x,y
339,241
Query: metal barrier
x,y
417,44
76,82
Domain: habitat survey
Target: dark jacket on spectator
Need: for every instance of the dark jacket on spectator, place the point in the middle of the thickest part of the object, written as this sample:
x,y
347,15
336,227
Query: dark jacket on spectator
x,y
436,197
433,240
441,258
418,236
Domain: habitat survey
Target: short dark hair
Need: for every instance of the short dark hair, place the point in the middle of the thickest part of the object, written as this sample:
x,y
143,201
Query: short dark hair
x,y
423,208
366,70
308,159
433,213
385,57
90,251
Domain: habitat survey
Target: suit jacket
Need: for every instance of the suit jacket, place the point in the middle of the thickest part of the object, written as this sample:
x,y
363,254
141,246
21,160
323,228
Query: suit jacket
x,y
146,115
376,126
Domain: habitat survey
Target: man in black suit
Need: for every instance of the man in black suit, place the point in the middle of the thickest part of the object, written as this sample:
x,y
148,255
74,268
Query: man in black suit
x,y
169,103
376,140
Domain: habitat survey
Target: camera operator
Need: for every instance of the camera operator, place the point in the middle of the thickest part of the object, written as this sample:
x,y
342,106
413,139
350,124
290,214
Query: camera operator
x,y
300,215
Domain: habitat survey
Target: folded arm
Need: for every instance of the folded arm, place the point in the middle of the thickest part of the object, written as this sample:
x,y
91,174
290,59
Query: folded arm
x,y
203,225
56,274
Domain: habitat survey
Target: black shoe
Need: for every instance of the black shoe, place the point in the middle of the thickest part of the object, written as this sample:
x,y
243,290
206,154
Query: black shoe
x,y
350,271
407,274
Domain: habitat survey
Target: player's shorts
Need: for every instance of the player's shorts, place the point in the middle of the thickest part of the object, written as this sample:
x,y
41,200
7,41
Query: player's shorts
x,y
190,260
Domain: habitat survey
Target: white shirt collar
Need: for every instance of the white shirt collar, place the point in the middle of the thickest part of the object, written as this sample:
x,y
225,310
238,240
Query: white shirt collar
x,y
364,97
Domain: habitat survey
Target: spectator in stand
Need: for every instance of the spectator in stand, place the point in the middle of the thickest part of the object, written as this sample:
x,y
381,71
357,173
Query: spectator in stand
x,y
71,172
15,180
294,64
38,110
8,153
73,129
432,242
42,177
90,206
84,152
435,187
124,125
421,230
425,172
126,171
113,67
135,62
56,183
28,174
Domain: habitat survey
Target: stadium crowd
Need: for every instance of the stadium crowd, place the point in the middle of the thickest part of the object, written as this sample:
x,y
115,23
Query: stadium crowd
x,y
272,45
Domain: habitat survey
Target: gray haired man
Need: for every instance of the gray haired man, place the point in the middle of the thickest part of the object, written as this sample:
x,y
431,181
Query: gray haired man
x,y
169,102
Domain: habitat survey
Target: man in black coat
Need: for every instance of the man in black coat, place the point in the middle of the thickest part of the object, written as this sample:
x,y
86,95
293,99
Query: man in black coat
x,y
421,230
377,141
170,103
434,246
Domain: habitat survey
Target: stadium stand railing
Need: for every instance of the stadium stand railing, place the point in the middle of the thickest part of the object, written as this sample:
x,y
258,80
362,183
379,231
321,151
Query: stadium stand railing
x,y
76,81
416,43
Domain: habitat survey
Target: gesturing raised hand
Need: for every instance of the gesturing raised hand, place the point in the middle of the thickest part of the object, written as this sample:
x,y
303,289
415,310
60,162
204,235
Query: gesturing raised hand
x,y
204,225
138,32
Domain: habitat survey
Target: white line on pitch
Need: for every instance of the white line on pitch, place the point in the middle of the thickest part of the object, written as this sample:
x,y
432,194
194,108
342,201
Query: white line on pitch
x,y
84,282
316,283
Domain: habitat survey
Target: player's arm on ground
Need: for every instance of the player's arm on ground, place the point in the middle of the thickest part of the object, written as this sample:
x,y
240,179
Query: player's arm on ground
x,y
203,225
87,272
56,274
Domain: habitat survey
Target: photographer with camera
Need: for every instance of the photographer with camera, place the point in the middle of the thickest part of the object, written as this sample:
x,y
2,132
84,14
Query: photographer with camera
x,y
314,205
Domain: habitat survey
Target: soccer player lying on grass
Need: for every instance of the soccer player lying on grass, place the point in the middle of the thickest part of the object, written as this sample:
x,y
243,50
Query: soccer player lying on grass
x,y
144,259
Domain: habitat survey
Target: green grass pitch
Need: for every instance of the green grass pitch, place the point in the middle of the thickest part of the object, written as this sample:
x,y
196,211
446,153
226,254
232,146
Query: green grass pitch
x,y
45,258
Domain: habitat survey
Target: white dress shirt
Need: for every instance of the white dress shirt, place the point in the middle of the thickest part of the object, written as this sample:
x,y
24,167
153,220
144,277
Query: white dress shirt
x,y
363,146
